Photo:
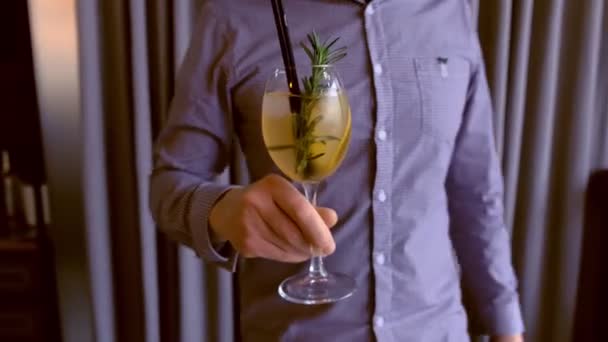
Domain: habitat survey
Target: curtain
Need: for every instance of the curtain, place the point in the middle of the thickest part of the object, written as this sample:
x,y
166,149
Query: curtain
x,y
547,65
153,290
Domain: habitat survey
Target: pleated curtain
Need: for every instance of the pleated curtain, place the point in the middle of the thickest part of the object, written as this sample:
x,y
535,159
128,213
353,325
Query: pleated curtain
x,y
144,287
547,68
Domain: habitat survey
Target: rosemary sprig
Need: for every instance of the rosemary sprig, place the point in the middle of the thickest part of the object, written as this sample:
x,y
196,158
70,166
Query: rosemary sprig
x,y
321,53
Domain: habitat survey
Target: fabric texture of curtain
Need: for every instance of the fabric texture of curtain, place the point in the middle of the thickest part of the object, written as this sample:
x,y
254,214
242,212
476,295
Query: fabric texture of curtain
x,y
160,291
546,63
547,66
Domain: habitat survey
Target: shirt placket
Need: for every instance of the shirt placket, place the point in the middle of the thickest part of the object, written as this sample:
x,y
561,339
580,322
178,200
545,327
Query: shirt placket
x,y
382,191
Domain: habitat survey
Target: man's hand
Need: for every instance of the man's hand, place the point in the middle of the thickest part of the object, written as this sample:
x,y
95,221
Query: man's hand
x,y
513,338
271,219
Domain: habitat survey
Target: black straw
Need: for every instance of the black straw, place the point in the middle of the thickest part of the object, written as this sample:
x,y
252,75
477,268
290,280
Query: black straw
x,y
288,59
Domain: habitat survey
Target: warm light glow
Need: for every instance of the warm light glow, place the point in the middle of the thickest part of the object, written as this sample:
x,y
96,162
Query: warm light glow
x,y
54,36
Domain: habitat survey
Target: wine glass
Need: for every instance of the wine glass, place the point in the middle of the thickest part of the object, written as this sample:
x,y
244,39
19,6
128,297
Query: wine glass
x,y
307,136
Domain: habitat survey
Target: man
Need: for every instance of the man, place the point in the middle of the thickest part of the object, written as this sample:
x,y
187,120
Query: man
x,y
415,207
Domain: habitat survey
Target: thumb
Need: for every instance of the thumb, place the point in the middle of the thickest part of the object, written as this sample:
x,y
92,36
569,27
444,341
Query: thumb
x,y
329,216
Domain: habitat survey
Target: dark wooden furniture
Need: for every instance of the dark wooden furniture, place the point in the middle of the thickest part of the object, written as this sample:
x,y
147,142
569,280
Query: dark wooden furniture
x,y
28,296
591,322
28,306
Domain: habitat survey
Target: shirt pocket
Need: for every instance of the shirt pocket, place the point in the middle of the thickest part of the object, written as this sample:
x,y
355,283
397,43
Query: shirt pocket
x,y
443,84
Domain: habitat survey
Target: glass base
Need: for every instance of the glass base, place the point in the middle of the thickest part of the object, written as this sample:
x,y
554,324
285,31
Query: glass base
x,y
311,290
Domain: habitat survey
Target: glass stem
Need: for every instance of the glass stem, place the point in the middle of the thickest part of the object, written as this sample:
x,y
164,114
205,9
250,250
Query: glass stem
x,y
316,268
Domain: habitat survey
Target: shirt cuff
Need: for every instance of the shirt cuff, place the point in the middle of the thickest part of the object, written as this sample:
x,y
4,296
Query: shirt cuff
x,y
202,201
503,319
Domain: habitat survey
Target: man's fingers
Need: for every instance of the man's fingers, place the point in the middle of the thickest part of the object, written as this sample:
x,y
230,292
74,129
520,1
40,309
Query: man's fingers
x,y
275,252
284,229
277,228
303,214
268,249
329,216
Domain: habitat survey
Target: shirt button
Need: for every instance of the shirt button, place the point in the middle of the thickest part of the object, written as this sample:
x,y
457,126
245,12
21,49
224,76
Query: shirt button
x,y
382,135
380,259
378,322
378,69
381,196
369,10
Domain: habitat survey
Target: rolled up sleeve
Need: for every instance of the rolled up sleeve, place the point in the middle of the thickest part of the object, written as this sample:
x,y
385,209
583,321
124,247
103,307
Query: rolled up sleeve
x,y
194,145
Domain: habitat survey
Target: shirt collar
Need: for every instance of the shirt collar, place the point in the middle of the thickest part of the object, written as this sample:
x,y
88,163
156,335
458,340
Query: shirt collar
x,y
365,2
